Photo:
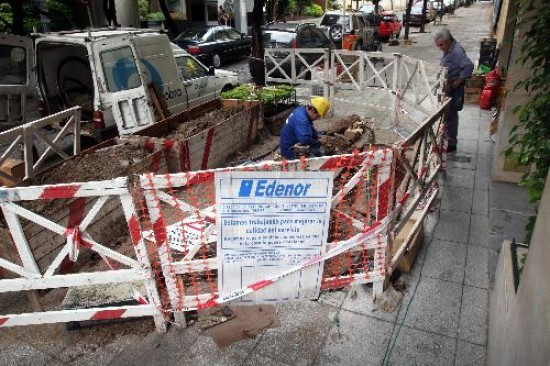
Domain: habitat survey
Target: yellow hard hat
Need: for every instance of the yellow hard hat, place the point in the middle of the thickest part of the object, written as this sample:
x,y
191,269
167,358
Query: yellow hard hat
x,y
321,104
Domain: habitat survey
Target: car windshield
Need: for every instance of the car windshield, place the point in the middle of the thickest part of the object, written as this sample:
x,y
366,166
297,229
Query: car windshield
x,y
330,19
193,34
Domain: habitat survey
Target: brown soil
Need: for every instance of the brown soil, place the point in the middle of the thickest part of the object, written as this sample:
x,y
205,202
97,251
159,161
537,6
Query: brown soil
x,y
103,164
202,123
336,144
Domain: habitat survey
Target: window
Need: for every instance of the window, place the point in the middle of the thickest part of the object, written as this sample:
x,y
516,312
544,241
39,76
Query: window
x,y
120,69
13,65
189,68
310,37
330,19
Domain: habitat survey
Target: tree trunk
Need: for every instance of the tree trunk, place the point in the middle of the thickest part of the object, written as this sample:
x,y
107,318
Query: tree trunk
x,y
172,28
257,58
375,2
18,16
407,18
423,18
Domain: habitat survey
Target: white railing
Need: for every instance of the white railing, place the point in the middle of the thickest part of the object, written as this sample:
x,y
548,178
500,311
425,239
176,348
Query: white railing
x,y
28,274
25,135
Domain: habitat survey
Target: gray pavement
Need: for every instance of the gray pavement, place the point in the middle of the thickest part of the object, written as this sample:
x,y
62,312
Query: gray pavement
x,y
442,319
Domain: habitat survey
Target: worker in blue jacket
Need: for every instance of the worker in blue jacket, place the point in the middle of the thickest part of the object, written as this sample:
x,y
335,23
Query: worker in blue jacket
x,y
299,132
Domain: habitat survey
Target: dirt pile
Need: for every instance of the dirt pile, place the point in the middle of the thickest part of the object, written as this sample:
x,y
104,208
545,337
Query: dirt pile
x,y
103,164
202,123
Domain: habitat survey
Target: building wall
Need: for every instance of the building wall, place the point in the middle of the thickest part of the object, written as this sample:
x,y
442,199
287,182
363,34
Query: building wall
x,y
519,324
503,168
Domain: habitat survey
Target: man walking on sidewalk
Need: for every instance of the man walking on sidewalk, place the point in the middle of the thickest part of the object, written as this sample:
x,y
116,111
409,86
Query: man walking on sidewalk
x,y
459,68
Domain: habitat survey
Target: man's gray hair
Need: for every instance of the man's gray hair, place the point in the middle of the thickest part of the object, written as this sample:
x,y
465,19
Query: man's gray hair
x,y
443,34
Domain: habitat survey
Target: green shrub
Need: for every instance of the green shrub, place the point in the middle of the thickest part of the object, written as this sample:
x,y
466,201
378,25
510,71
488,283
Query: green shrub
x,y
313,10
156,16
270,96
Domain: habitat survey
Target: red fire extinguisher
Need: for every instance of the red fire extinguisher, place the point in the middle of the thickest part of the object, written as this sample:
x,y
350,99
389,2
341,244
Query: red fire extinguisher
x,y
490,89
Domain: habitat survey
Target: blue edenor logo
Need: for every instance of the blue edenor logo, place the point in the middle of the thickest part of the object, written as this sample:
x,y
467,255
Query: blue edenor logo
x,y
246,188
272,188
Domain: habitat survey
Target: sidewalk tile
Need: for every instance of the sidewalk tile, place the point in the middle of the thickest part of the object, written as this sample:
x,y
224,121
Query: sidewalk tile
x,y
510,197
463,178
256,359
161,349
55,362
359,300
457,199
468,354
509,223
480,203
435,307
473,316
305,320
445,261
333,298
415,347
21,354
477,267
461,160
479,230
485,148
453,226
358,340
467,147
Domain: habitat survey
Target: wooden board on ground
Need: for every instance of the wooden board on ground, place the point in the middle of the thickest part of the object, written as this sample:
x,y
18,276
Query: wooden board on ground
x,y
406,262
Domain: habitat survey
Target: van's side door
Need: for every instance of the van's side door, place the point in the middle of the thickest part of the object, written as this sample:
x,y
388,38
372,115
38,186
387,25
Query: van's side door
x,y
195,79
17,79
122,88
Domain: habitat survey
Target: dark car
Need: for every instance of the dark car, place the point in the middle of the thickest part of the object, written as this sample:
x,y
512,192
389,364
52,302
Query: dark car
x,y
214,45
306,35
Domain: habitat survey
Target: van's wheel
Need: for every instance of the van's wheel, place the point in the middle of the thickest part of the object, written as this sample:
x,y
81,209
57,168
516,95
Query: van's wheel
x,y
216,61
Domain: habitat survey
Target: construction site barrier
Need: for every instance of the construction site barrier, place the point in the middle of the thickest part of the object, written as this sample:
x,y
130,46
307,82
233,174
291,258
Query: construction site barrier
x,y
375,202
79,242
182,213
22,136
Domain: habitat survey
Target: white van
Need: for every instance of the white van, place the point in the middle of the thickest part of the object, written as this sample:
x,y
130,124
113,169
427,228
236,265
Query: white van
x,y
111,74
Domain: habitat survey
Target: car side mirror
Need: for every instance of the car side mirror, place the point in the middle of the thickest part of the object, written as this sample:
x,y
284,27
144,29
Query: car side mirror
x,y
211,70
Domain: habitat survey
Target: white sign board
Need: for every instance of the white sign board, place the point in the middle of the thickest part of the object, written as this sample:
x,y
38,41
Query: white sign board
x,y
269,222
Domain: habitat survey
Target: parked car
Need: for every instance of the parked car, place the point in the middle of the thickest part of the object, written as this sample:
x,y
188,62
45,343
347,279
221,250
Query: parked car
x,y
337,23
416,13
306,35
202,83
390,26
369,8
214,45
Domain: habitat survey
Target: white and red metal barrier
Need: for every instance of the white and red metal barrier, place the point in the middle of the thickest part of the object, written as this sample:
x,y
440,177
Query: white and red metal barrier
x,y
27,275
